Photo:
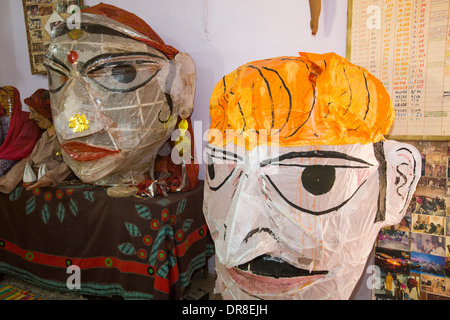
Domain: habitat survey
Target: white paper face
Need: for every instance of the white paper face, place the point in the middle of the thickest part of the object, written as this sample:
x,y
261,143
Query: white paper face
x,y
276,218
125,88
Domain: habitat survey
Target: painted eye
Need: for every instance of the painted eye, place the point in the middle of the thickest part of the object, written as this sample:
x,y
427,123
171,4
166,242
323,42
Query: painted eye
x,y
318,180
123,76
221,165
211,169
56,79
58,74
124,73
315,185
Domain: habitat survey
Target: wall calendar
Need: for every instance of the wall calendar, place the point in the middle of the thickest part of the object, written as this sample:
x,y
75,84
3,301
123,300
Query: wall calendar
x,y
405,44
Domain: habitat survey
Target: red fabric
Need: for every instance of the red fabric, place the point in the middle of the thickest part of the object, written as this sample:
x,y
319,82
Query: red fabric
x,y
2,112
131,20
22,135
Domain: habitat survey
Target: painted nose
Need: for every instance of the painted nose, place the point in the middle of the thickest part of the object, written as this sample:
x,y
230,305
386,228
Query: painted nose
x,y
256,225
248,227
80,111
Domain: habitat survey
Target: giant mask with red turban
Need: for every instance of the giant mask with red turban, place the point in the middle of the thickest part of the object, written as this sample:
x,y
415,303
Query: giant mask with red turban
x,y
117,93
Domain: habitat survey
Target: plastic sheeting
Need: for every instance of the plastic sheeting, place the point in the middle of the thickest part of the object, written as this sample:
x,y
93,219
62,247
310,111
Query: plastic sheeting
x,y
115,100
298,221
307,100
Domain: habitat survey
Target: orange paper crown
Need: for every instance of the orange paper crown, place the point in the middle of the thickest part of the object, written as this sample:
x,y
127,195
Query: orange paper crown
x,y
313,99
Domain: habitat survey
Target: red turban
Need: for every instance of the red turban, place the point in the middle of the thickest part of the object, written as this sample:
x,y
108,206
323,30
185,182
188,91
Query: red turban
x,y
134,22
40,101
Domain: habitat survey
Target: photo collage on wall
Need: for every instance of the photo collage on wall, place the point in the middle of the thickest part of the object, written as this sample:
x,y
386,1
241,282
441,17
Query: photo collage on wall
x,y
41,16
412,259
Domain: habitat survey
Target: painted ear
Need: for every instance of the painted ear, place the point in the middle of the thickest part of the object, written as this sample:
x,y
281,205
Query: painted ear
x,y
402,175
184,89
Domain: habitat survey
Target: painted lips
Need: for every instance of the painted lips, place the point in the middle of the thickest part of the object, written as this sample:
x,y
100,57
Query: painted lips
x,y
266,275
83,152
261,285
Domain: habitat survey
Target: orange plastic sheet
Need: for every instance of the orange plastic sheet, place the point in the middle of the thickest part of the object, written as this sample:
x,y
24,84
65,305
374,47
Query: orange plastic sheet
x,y
313,99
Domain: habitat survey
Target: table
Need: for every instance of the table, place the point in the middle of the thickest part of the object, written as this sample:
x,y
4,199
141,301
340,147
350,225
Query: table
x,y
130,247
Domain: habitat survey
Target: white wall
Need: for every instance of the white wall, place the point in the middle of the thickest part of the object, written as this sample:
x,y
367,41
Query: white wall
x,y
14,58
220,35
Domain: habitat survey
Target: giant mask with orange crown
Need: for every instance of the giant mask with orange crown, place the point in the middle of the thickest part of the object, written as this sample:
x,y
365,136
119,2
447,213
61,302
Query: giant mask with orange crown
x,y
299,178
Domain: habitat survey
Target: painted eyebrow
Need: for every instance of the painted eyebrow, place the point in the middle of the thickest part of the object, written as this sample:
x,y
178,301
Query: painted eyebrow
x,y
223,182
58,62
313,154
90,28
91,62
96,59
225,154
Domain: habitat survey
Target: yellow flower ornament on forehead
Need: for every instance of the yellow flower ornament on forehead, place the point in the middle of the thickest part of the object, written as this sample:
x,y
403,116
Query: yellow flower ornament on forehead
x,y
117,93
300,178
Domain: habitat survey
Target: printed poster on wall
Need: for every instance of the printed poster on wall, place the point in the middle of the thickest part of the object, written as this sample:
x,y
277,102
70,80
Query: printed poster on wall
x,y
41,16
412,259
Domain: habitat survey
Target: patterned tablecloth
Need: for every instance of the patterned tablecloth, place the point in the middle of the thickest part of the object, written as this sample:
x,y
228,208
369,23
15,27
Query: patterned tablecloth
x,y
130,247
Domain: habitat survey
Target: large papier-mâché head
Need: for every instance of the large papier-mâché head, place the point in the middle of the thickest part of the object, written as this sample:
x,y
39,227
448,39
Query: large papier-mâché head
x,y
299,177
117,91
